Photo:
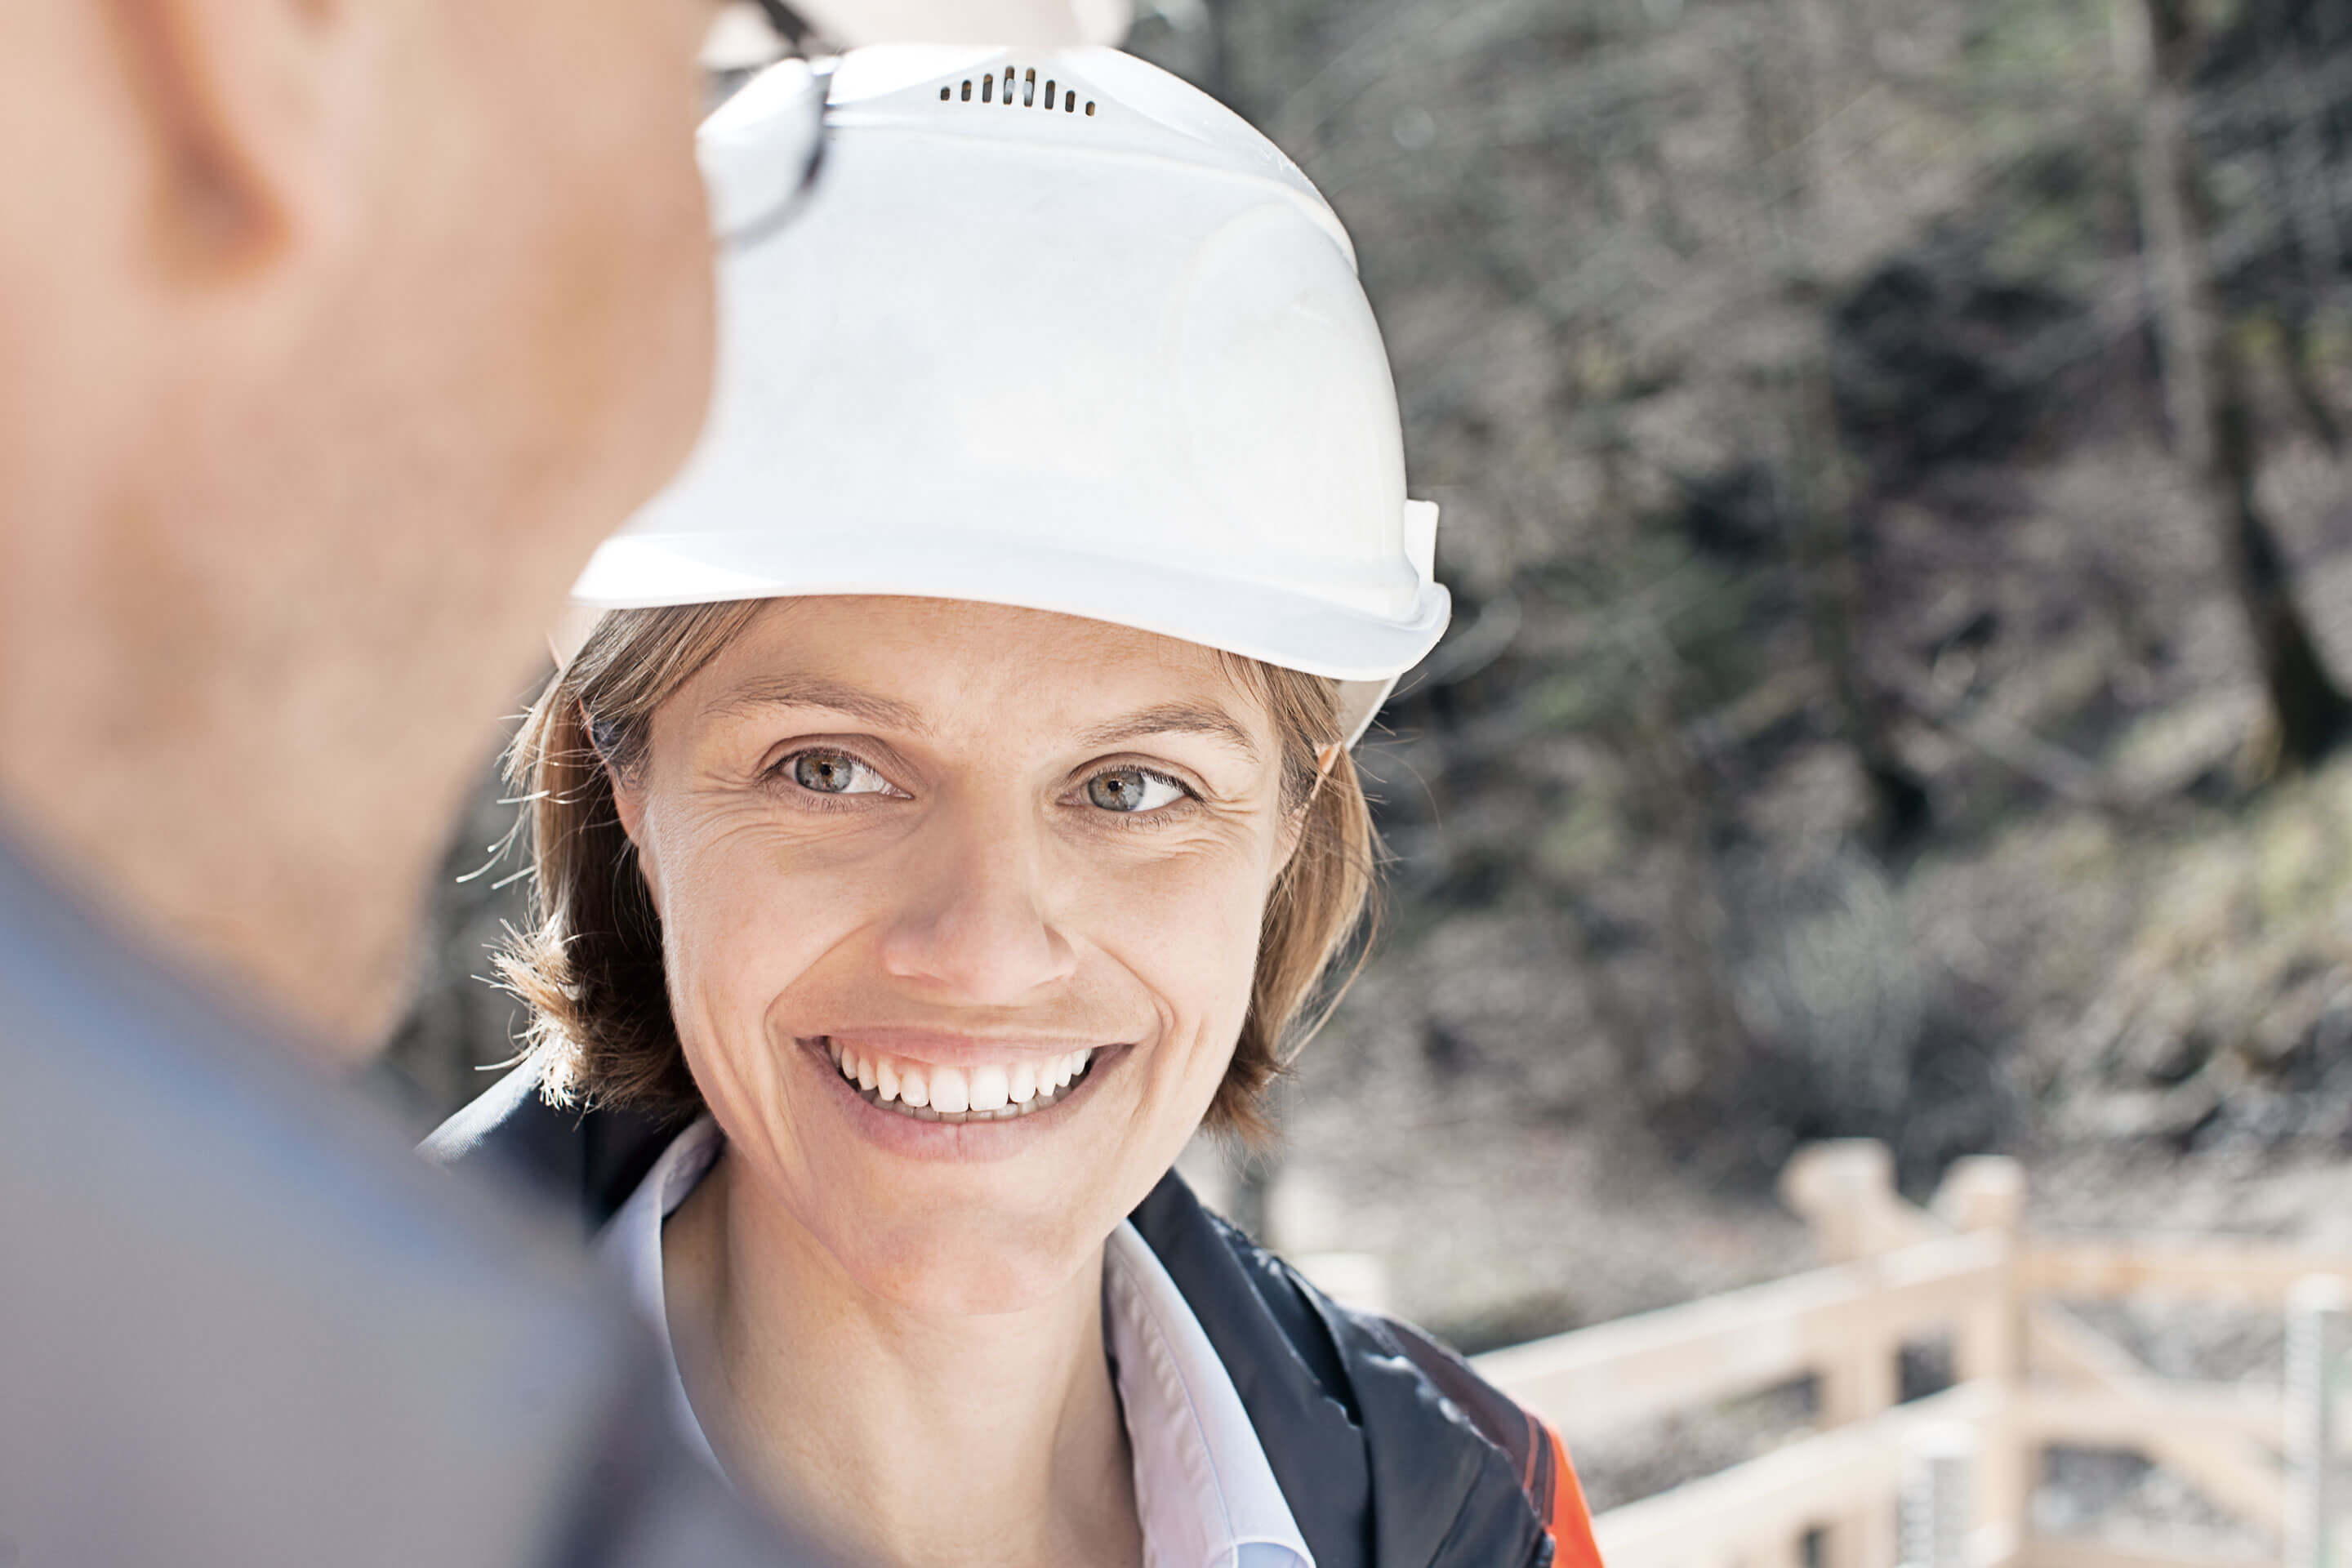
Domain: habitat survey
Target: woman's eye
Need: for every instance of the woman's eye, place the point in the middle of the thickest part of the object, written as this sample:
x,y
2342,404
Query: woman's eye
x,y
831,773
1132,790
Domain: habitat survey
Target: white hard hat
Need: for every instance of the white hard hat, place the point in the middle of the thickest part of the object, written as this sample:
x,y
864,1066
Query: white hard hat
x,y
1055,331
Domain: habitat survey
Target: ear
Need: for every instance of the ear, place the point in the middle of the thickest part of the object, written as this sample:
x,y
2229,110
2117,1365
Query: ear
x,y
1294,825
250,105
628,793
628,789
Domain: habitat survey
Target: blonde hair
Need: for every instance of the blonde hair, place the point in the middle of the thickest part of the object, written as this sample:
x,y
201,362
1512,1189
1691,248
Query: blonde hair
x,y
590,963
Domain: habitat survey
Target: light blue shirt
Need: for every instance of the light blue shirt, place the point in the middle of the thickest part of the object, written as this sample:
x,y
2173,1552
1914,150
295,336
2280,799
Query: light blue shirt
x,y
1207,1497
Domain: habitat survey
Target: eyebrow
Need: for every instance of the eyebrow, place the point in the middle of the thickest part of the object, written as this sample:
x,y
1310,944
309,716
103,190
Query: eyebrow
x,y
799,691
1175,718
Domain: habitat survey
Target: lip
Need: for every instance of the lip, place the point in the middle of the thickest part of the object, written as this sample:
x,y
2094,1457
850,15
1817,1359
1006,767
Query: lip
x,y
934,1047
966,1142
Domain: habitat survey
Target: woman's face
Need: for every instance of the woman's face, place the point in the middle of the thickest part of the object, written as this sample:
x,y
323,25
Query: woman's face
x,y
960,909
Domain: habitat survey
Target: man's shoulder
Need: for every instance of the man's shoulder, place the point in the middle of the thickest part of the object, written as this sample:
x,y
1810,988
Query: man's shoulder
x,y
240,1323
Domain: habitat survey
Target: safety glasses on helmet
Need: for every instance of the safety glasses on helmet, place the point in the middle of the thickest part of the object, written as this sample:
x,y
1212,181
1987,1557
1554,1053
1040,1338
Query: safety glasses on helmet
x,y
766,77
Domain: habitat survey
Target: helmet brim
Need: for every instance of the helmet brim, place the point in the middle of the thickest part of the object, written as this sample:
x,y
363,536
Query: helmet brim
x,y
1366,653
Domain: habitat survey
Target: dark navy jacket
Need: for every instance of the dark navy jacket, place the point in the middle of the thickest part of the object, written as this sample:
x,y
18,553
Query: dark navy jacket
x,y
1390,1451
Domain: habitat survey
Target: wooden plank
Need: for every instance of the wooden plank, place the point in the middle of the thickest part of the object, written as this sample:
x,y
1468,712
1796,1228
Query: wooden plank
x,y
1843,1188
2061,1552
1987,1193
2225,1466
1751,1508
2102,1418
2253,1271
1747,1339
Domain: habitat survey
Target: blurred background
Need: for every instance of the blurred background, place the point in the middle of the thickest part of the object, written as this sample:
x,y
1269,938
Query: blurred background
x,y
1893,463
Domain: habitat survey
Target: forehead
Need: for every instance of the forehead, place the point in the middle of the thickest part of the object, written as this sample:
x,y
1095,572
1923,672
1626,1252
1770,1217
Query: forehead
x,y
948,664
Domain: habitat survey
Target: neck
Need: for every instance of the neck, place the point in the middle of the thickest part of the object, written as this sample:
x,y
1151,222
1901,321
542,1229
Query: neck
x,y
907,1436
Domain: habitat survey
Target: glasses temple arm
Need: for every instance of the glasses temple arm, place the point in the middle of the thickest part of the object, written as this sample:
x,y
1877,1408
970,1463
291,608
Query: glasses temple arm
x,y
788,22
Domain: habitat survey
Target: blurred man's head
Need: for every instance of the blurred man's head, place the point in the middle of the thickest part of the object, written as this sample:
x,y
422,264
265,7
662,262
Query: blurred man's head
x,y
338,331
333,335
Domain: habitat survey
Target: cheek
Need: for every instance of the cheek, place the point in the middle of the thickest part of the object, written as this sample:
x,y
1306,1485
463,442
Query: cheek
x,y
739,927
1192,940
607,296
625,316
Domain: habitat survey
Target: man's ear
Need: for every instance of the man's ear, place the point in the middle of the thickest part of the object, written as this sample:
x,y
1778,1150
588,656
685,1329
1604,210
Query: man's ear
x,y
251,106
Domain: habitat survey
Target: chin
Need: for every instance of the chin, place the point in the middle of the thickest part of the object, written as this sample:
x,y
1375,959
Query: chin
x,y
967,1264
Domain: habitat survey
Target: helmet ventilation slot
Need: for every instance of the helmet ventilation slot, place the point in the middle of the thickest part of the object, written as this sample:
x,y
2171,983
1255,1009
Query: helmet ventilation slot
x,y
1026,82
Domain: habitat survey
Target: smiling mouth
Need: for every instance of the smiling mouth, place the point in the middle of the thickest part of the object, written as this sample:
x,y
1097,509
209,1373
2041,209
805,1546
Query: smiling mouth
x,y
926,1091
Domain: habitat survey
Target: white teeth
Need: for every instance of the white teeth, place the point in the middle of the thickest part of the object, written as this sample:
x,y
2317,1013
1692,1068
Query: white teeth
x,y
988,1092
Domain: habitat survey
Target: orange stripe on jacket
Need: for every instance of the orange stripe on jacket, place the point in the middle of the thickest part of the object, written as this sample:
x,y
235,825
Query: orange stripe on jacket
x,y
1568,1519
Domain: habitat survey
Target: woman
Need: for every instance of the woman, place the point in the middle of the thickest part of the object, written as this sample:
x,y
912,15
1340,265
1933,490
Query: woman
x,y
950,811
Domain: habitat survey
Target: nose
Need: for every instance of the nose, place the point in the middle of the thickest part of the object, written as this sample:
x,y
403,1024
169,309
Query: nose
x,y
974,924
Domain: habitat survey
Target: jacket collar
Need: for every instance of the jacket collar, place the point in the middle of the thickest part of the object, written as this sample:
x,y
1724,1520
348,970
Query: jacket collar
x,y
1208,1496
1382,1467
